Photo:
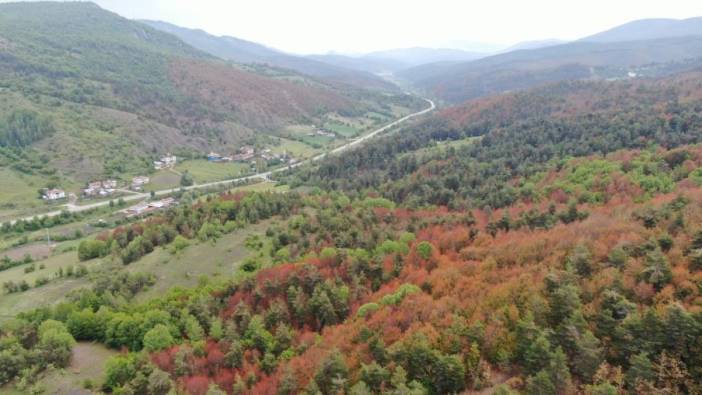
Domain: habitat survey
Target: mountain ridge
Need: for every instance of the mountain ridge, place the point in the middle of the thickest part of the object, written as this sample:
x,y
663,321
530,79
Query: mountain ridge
x,y
244,51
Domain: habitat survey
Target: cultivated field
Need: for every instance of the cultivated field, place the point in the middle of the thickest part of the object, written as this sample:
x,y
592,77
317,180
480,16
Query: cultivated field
x,y
204,171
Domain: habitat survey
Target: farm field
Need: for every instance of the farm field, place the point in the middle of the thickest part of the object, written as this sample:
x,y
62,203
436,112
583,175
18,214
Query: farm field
x,y
298,149
318,141
163,179
204,171
341,129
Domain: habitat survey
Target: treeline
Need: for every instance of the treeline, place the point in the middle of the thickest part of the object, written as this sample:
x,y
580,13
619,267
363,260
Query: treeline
x,y
41,222
22,127
206,221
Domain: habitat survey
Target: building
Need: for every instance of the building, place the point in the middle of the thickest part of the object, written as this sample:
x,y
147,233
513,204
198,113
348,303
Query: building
x,y
246,153
165,162
148,207
101,188
54,194
214,157
138,182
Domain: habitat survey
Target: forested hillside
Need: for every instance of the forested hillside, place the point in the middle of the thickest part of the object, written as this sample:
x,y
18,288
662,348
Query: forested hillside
x,y
113,92
499,141
542,242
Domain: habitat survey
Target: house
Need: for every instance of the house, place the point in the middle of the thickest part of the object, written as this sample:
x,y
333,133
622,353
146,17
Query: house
x,y
90,191
138,182
245,153
54,194
102,188
214,157
165,162
169,160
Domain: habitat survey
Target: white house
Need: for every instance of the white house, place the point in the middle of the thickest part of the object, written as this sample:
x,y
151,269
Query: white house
x,y
54,194
165,162
139,181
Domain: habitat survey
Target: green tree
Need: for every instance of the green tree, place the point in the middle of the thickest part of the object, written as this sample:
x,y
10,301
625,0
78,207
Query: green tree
x,y
425,250
540,384
216,330
159,383
186,179
158,338
193,329
581,261
55,343
657,271
332,375
90,249
119,370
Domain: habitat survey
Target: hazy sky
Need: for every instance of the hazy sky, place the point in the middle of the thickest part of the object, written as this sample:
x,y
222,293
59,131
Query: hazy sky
x,y
315,26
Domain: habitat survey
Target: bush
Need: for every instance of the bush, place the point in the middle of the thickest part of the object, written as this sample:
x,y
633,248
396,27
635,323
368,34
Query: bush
x,y
91,249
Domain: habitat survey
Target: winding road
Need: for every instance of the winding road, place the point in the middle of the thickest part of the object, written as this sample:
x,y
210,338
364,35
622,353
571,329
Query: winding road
x,y
74,208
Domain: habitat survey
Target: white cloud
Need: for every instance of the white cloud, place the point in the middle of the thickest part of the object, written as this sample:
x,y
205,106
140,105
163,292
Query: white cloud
x,y
361,25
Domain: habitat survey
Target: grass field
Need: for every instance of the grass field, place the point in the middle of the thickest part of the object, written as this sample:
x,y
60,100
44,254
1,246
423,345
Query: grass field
x,y
163,179
19,196
341,129
214,260
300,130
298,149
204,171
87,363
317,141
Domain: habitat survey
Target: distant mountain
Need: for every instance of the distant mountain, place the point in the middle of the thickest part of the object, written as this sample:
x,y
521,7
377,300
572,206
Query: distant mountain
x,y
527,68
394,60
534,44
242,51
376,66
472,46
418,56
649,29
98,94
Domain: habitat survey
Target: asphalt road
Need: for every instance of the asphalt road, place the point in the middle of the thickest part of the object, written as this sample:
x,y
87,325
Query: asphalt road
x,y
265,175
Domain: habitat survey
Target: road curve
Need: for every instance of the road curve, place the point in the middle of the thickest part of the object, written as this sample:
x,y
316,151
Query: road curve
x,y
74,208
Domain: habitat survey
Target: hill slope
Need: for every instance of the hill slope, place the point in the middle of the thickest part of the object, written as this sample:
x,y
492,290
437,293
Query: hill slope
x,y
587,280
502,138
117,92
242,51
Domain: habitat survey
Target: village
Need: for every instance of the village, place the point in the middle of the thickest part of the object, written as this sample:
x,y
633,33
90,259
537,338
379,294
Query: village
x,y
250,154
109,187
